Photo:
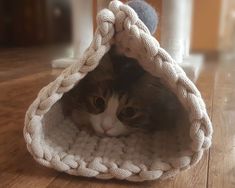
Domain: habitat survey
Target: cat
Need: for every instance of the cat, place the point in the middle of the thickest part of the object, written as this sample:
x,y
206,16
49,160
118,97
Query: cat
x,y
119,98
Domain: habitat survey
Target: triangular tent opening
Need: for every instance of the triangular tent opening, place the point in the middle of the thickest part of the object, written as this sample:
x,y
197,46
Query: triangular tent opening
x,y
55,142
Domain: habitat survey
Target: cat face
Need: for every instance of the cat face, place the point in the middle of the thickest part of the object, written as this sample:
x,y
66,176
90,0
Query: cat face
x,y
114,113
118,98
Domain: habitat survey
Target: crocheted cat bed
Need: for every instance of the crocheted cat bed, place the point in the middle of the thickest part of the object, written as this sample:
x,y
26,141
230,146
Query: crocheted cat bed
x,y
55,142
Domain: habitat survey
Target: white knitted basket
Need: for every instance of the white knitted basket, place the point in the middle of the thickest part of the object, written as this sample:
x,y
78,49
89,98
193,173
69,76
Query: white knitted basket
x,y
55,142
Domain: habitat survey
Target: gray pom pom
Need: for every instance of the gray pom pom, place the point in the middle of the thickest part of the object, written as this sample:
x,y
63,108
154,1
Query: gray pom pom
x,y
146,13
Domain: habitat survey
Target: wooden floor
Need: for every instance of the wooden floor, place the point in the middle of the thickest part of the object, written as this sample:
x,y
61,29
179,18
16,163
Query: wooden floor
x,y
24,71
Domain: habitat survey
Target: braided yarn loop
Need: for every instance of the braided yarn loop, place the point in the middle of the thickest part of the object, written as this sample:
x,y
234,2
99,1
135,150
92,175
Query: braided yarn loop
x,y
55,142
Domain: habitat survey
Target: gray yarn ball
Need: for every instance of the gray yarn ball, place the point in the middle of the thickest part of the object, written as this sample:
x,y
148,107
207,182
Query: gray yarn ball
x,y
146,13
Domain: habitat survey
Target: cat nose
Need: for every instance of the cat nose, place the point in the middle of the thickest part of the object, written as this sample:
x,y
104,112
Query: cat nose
x,y
107,123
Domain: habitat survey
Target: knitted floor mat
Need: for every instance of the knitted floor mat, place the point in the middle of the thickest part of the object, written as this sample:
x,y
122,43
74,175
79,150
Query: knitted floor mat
x,y
135,153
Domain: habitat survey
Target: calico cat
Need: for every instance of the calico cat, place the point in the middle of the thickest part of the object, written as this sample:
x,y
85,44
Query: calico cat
x,y
119,97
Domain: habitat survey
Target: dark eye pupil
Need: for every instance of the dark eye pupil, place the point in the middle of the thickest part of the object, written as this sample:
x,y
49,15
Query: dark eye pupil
x,y
129,112
99,102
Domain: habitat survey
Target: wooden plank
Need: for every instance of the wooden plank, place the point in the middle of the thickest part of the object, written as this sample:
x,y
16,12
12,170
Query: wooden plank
x,y
222,154
17,167
19,62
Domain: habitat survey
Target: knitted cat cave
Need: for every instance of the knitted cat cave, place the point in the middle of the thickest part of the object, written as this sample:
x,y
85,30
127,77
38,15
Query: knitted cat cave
x,y
55,142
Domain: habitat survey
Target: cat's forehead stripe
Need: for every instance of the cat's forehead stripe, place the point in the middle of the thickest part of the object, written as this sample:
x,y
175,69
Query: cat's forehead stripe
x,y
112,105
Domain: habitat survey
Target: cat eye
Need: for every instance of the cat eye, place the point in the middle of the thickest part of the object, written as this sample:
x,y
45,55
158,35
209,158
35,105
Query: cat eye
x,y
128,112
99,102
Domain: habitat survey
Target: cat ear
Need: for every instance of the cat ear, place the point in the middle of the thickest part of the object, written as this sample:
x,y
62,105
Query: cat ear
x,y
147,80
148,87
103,72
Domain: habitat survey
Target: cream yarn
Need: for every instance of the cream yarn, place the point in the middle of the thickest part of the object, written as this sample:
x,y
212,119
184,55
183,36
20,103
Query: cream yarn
x,y
55,142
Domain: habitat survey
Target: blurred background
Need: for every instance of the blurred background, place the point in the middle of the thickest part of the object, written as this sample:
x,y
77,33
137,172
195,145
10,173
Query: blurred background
x,y
30,22
45,22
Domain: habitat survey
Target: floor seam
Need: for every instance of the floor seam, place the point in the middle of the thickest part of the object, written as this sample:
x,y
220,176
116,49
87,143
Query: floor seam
x,y
212,113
